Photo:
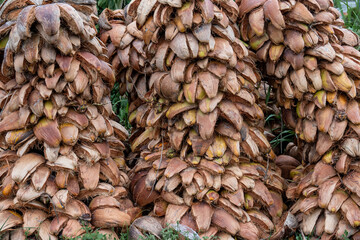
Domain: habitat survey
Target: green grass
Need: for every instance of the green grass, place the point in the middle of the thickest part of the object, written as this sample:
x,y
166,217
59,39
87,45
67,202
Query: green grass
x,y
94,234
112,4
91,234
300,236
283,135
166,234
120,105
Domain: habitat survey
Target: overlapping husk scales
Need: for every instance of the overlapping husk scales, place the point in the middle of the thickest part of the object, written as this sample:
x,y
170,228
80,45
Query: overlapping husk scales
x,y
327,201
311,60
126,53
63,163
202,155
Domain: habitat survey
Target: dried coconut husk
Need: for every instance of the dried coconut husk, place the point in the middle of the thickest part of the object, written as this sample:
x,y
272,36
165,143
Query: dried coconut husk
x,y
183,191
197,83
323,195
309,57
57,125
311,68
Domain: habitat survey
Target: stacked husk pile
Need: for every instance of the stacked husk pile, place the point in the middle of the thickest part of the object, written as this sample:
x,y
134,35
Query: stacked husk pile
x,y
126,53
63,163
201,156
311,60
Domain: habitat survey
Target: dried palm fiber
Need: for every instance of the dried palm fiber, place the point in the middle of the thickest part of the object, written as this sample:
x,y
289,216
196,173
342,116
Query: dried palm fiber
x,y
64,161
311,60
327,200
197,125
327,193
126,53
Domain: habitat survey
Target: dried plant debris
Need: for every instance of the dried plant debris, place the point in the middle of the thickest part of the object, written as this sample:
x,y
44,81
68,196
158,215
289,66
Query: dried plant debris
x,y
63,159
311,60
199,152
